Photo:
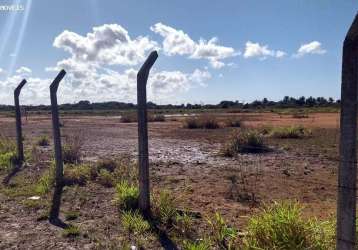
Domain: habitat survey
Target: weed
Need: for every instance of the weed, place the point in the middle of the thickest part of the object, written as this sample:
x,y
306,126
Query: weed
x,y
71,215
43,141
77,174
244,142
32,204
71,232
165,207
197,245
156,118
233,122
71,152
107,164
7,153
281,226
105,178
133,222
223,235
202,121
126,195
293,132
184,223
46,181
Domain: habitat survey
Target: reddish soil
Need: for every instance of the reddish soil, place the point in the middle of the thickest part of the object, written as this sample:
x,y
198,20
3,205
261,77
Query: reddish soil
x,y
187,163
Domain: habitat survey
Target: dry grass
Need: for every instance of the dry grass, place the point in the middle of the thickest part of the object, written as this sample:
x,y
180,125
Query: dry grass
x,y
201,122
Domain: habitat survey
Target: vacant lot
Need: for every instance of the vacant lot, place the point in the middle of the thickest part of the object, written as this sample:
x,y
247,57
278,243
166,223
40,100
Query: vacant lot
x,y
186,162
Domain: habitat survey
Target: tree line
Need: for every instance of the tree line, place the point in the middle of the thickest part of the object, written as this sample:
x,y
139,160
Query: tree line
x,y
286,102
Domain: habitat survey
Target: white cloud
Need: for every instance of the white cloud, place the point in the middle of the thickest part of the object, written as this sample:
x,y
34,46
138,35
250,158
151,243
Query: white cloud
x,y
261,51
314,47
24,71
106,44
177,42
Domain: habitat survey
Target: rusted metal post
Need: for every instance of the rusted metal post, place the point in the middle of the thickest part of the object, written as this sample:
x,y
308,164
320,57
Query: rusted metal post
x,y
143,161
19,142
56,201
347,174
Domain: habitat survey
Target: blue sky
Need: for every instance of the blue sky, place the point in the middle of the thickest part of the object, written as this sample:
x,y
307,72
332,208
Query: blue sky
x,y
208,50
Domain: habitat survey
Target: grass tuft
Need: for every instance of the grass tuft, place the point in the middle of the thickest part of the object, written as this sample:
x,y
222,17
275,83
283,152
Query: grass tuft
x,y
71,232
126,196
201,122
292,132
133,222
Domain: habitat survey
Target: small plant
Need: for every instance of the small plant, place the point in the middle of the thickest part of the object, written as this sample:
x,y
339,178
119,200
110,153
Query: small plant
x,y
197,245
71,152
46,181
184,223
8,156
223,235
165,207
43,141
281,226
233,122
129,117
71,215
107,164
244,142
293,132
105,178
71,232
77,174
126,196
133,222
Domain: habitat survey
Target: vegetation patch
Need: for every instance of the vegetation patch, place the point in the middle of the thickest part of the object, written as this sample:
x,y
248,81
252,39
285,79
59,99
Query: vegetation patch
x,y
71,232
292,132
223,235
71,152
71,215
133,222
165,208
233,122
43,141
7,153
126,196
201,122
248,141
281,226
77,174
129,117
105,178
46,181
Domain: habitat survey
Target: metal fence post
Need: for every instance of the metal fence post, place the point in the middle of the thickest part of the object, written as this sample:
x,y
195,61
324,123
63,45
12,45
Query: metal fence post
x,y
143,161
19,139
346,203
56,201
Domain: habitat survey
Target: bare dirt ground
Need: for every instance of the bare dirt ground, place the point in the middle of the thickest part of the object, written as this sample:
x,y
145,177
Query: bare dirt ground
x,y
184,161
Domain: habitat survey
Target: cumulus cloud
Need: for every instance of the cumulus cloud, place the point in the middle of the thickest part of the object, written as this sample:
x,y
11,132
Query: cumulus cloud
x,y
24,71
177,42
106,44
261,51
313,47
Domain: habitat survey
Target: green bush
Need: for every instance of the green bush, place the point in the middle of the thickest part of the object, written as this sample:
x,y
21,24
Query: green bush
x,y
126,196
292,132
165,207
77,174
281,226
133,222
244,142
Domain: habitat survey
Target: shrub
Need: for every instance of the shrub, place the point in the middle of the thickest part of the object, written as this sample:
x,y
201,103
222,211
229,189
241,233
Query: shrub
x,y
293,132
71,152
77,174
133,222
165,207
184,223
126,196
129,117
281,226
71,232
244,142
223,235
156,118
202,121
233,122
8,155
43,141
105,178
107,164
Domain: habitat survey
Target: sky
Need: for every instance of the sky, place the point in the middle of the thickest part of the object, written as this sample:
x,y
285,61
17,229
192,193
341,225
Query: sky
x,y
209,51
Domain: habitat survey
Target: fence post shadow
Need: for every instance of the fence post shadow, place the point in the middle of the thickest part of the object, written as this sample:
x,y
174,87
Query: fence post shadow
x,y
59,183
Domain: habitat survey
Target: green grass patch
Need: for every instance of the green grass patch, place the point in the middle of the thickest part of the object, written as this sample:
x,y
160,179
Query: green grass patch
x,y
71,232
134,223
126,196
